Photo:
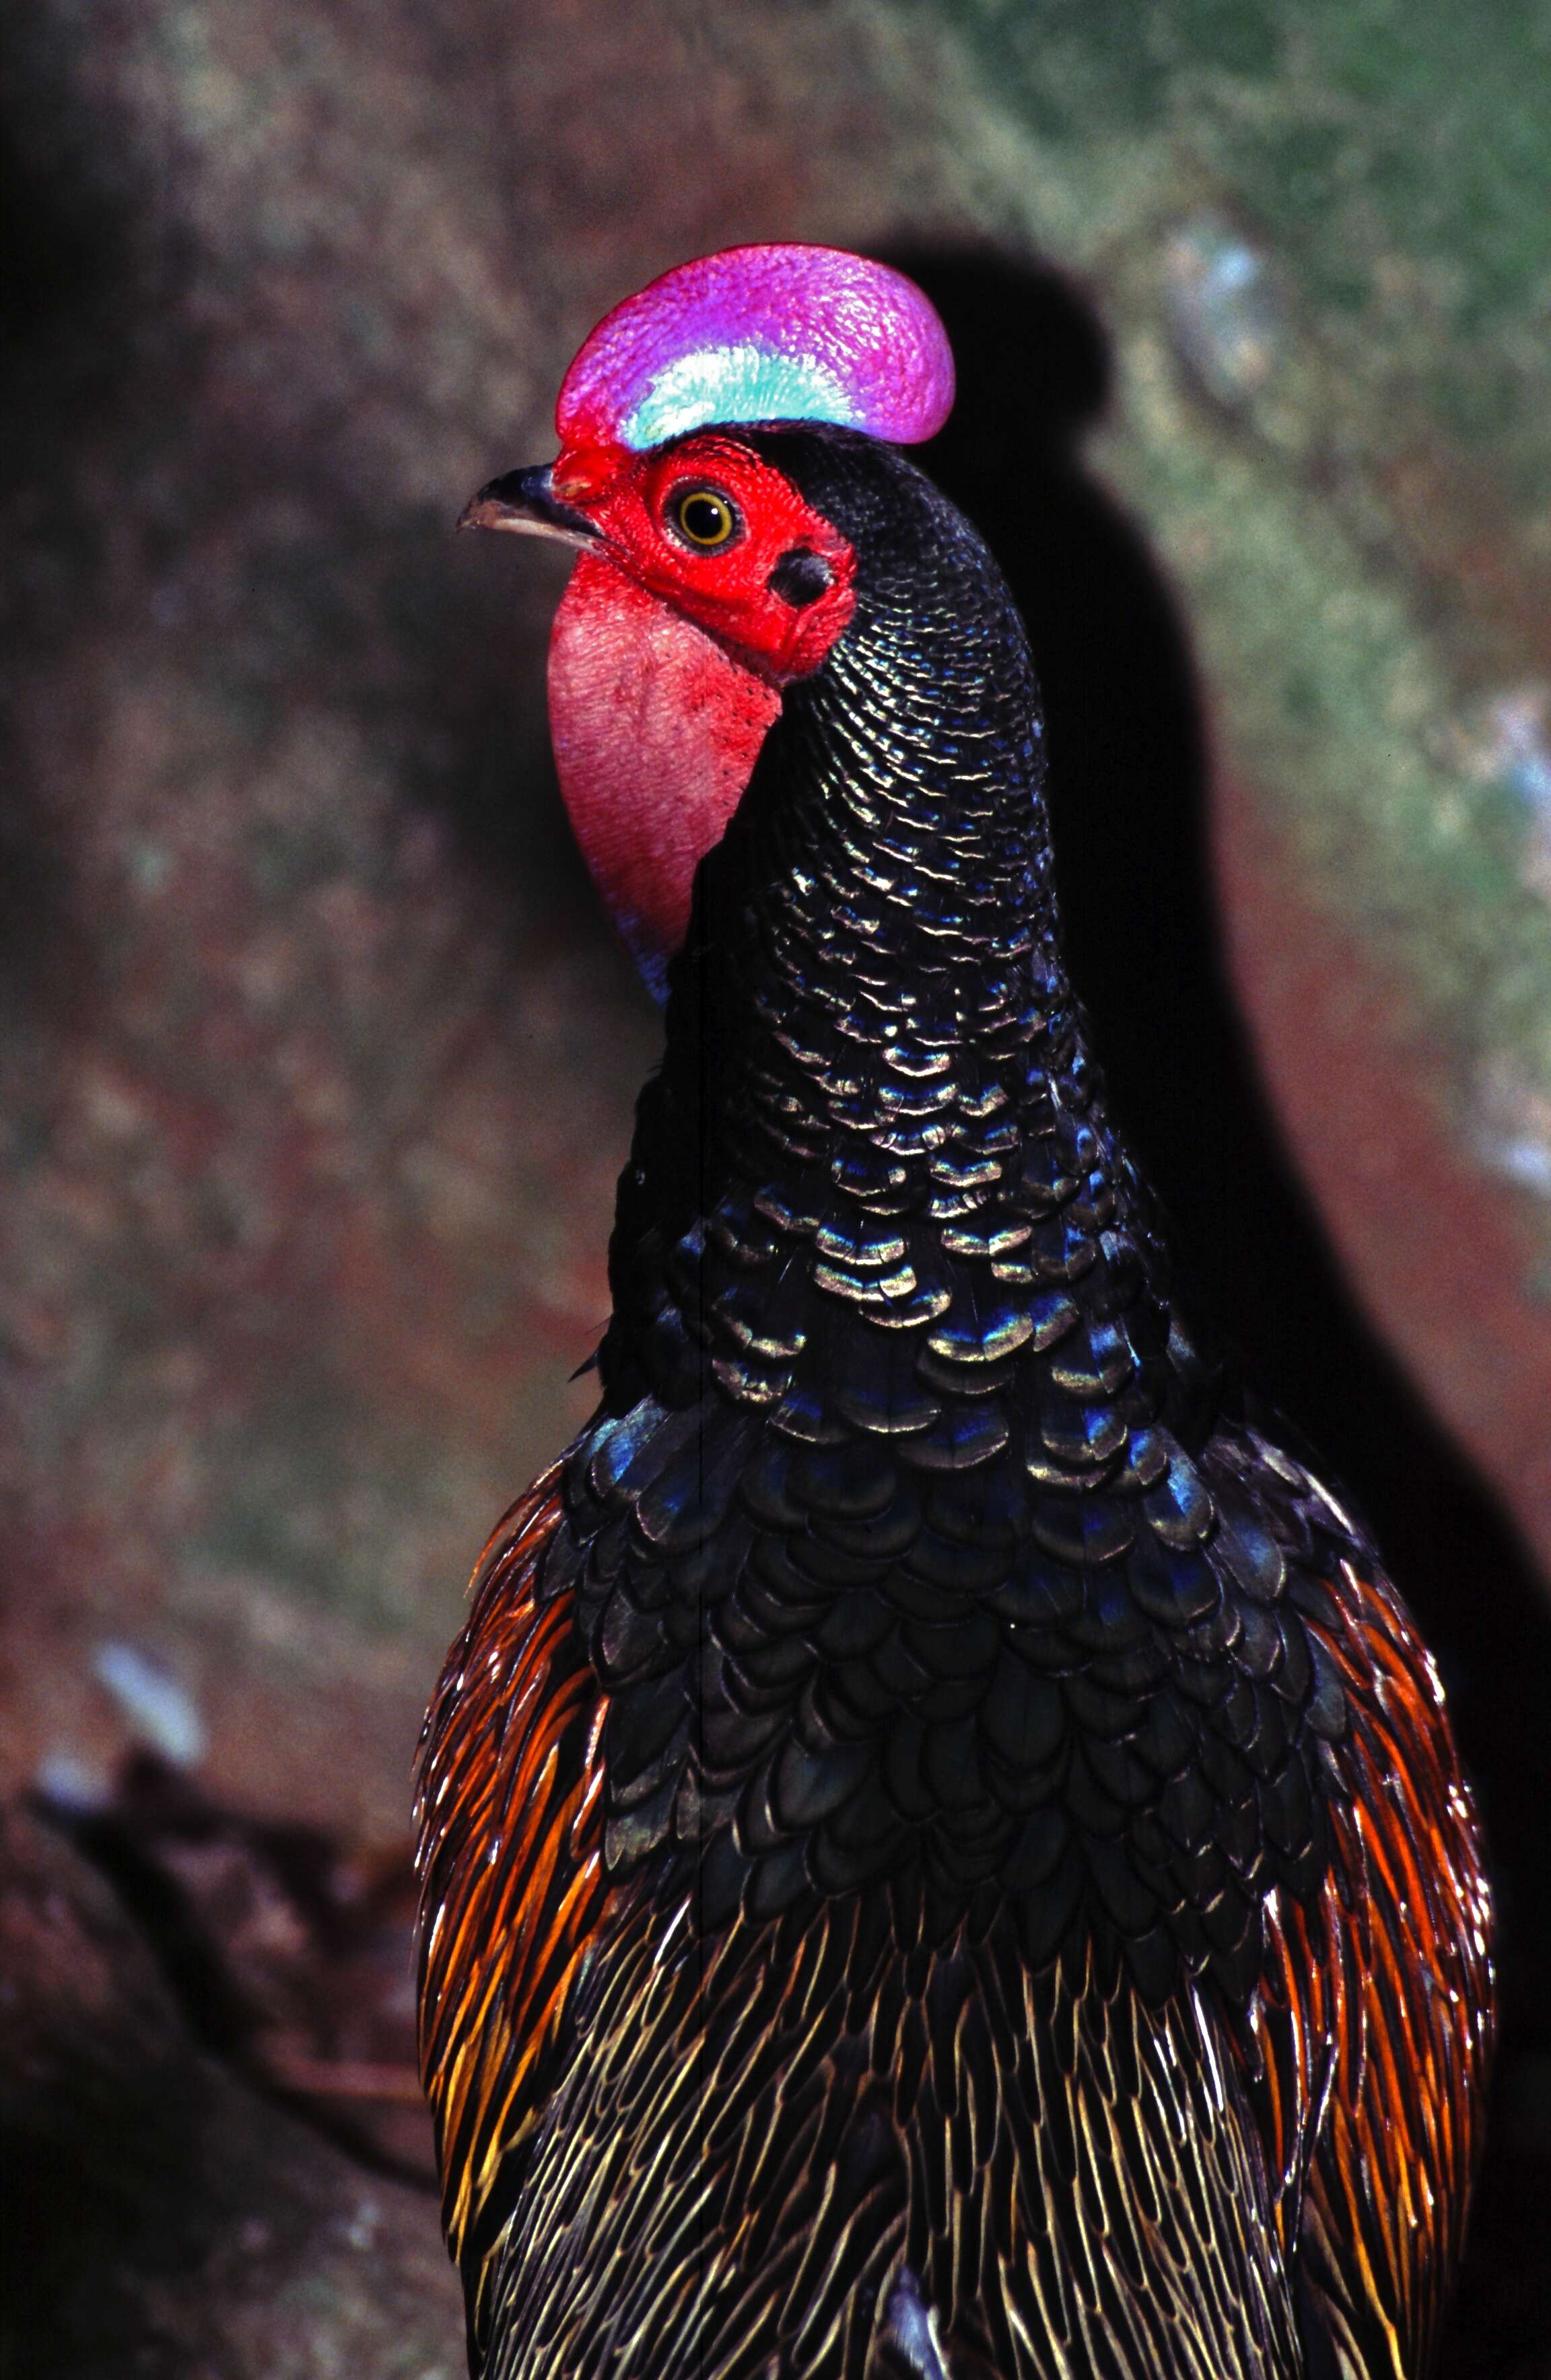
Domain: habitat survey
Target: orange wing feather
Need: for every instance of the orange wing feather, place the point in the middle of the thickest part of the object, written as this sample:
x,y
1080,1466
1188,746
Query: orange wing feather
x,y
511,1862
1374,2019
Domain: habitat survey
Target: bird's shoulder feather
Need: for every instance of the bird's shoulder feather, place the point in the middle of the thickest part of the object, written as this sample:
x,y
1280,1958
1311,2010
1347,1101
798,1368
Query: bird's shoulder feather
x,y
513,1887
1370,2031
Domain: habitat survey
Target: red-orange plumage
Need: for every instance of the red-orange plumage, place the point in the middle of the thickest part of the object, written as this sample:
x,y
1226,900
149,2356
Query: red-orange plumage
x,y
1374,2018
511,1856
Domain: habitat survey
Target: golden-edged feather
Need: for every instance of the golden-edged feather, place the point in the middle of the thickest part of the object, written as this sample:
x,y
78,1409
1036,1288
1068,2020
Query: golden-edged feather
x,y
1375,2009
511,1862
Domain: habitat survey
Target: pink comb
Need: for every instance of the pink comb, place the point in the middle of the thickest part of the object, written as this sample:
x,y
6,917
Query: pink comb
x,y
783,333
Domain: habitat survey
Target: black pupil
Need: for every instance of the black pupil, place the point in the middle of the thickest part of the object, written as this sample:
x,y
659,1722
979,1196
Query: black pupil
x,y
704,518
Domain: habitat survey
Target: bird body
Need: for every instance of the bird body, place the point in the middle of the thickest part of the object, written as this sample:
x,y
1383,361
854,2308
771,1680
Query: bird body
x,y
943,1856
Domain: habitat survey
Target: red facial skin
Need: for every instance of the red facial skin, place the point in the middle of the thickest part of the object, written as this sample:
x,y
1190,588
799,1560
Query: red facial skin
x,y
667,661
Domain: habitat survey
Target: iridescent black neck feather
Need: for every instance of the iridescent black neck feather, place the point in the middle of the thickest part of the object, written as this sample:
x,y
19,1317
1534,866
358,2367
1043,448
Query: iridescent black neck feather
x,y
903,1542
871,1020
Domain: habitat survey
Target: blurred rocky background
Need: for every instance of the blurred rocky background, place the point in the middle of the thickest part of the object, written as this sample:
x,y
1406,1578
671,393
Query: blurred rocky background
x,y
318,1060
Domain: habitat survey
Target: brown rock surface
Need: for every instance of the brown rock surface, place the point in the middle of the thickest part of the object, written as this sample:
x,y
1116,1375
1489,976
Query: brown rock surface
x,y
159,2217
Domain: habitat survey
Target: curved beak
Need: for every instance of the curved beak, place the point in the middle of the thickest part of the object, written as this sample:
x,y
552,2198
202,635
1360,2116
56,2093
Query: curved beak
x,y
525,503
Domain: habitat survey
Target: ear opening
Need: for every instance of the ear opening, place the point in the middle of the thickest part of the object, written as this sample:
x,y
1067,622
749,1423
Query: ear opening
x,y
800,576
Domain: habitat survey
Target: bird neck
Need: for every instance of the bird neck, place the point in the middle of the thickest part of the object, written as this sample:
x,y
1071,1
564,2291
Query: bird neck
x,y
874,1059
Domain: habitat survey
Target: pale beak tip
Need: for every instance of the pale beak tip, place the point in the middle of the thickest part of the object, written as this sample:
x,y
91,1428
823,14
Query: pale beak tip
x,y
482,511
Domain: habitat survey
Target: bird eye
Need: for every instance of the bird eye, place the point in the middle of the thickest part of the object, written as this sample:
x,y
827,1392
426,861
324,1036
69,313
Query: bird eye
x,y
703,518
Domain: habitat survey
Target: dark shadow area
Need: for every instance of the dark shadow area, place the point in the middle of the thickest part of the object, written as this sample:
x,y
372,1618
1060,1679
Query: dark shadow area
x,y
80,301
62,257
270,1940
1129,799
76,298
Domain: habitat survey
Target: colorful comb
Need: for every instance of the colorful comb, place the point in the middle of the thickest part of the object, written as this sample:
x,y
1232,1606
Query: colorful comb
x,y
783,333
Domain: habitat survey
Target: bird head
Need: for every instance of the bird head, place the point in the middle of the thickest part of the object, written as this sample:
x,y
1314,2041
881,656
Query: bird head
x,y
708,582
704,525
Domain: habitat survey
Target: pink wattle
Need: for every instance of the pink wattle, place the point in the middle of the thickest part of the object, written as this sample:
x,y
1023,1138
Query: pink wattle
x,y
656,730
